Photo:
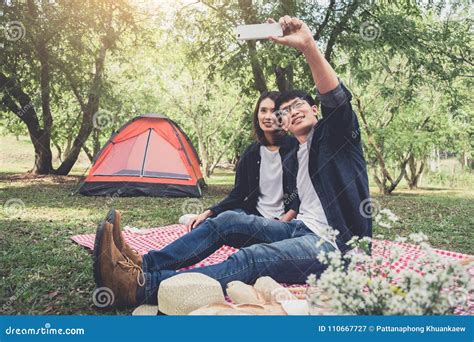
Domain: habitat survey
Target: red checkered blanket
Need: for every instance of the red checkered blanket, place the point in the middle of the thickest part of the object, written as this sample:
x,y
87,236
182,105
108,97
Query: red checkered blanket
x,y
144,240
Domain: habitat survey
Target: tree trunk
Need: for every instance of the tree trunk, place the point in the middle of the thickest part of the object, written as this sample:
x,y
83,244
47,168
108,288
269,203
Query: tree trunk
x,y
284,77
88,112
206,165
68,144
43,57
59,150
393,184
380,183
386,186
96,141
249,15
88,153
43,156
385,175
413,176
18,102
259,78
438,160
386,183
464,159
218,156
204,156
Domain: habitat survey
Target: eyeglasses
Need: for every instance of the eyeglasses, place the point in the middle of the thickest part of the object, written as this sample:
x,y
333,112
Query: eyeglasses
x,y
287,110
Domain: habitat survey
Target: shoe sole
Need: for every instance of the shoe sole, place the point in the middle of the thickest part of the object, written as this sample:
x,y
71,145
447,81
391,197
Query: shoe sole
x,y
111,216
96,253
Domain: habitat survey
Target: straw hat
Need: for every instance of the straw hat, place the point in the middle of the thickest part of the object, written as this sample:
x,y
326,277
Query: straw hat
x,y
271,291
186,292
240,292
266,297
239,310
146,310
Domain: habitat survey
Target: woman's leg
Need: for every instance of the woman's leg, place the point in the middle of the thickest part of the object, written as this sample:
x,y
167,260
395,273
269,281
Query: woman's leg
x,y
229,228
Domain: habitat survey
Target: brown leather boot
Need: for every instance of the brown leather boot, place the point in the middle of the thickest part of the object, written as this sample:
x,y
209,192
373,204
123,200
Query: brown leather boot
x,y
114,218
114,271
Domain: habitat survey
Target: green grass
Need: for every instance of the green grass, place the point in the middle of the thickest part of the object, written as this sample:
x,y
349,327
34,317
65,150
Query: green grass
x,y
50,275
41,266
17,155
43,272
445,216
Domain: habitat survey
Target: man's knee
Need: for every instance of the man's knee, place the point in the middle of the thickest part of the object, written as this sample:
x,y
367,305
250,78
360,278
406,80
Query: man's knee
x,y
243,259
228,218
251,255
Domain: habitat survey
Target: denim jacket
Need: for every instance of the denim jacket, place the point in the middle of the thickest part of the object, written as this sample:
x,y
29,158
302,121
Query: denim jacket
x,y
245,193
337,167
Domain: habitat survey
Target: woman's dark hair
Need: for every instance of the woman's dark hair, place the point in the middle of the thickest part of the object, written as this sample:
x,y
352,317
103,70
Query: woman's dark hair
x,y
257,131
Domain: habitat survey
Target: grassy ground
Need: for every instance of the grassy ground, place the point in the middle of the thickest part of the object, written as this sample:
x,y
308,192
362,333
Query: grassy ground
x,y
40,265
43,272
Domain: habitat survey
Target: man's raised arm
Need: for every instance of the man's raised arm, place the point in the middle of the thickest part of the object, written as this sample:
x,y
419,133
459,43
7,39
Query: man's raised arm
x,y
296,34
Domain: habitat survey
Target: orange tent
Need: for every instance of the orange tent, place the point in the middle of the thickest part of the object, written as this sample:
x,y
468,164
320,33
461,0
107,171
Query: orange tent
x,y
148,156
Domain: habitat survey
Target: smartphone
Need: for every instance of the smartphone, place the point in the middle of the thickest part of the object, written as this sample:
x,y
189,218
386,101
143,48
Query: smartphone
x,y
258,31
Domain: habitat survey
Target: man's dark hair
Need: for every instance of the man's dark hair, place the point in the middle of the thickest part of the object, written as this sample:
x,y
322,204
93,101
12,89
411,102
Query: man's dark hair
x,y
293,94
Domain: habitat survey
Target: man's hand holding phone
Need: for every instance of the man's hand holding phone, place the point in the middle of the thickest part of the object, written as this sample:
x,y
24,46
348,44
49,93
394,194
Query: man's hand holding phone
x,y
296,33
289,31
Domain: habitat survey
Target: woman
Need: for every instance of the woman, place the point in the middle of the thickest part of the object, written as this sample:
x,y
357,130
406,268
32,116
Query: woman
x,y
262,183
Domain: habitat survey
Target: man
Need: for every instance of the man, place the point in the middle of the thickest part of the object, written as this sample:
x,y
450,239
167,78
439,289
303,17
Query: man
x,y
332,177
331,182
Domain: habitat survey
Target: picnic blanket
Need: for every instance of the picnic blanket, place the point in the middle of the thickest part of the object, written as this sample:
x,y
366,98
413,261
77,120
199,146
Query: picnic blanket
x,y
144,240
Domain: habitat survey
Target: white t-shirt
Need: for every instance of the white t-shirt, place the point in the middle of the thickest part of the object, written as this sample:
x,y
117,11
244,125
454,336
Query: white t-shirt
x,y
270,201
311,211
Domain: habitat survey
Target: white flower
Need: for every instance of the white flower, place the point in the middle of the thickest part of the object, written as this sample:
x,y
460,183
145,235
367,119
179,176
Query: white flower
x,y
385,225
418,237
354,242
311,279
389,214
369,286
322,257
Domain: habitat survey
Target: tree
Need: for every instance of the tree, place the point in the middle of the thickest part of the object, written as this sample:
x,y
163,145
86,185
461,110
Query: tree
x,y
402,72
401,124
399,47
62,44
213,112
83,64
259,66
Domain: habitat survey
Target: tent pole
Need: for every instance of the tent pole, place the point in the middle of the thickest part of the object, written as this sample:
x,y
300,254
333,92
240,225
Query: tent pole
x,y
146,151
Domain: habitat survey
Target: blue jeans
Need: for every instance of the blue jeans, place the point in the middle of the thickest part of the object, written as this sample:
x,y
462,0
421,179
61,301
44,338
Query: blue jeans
x,y
285,251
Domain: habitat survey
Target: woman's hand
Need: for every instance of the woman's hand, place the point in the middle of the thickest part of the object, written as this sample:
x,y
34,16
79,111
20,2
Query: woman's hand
x,y
288,216
193,223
